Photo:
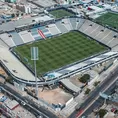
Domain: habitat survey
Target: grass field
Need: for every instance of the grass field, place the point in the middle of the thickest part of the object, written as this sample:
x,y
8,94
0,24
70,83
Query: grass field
x,y
60,13
110,19
60,51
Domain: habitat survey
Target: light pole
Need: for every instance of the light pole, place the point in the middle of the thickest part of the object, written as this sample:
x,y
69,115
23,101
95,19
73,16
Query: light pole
x,y
34,57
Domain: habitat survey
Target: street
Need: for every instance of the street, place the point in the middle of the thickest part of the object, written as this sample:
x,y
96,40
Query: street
x,y
29,105
90,103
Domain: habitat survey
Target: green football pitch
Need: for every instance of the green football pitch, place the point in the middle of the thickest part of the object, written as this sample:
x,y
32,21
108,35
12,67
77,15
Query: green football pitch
x,y
60,13
110,19
59,51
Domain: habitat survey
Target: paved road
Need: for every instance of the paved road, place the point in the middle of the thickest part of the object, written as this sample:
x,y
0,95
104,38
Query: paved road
x,y
33,108
107,83
99,102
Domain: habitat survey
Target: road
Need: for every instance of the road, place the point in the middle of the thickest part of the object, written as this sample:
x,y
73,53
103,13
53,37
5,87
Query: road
x,y
99,102
94,96
29,104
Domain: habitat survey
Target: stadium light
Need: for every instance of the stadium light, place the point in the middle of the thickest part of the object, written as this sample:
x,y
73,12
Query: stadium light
x,y
34,57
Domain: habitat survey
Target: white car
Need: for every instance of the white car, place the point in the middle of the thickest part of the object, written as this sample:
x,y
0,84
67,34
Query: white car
x,y
23,103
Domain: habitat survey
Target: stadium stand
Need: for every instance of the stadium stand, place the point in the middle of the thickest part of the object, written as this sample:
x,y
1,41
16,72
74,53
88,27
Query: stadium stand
x,y
3,44
108,37
7,39
26,36
91,28
84,26
53,29
115,48
79,23
113,43
67,24
35,34
96,32
16,38
100,33
73,22
61,27
45,31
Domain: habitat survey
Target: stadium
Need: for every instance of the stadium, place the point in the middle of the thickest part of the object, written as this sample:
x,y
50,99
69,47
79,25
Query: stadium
x,y
67,45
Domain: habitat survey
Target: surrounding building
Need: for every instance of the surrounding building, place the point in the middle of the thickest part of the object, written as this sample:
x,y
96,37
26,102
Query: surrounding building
x,y
24,8
10,1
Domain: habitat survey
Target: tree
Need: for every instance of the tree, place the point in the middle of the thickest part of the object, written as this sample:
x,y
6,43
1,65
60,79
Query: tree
x,y
102,112
96,83
9,79
87,91
85,78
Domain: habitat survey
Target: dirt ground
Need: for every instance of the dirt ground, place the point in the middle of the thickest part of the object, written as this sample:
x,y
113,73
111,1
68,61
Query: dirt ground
x,y
76,81
54,96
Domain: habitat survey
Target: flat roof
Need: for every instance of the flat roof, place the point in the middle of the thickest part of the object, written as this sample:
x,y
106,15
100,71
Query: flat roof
x,y
8,26
11,103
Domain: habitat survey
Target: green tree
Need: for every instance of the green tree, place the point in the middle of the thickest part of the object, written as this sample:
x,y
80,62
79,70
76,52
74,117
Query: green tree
x,y
9,79
87,91
102,112
85,78
96,83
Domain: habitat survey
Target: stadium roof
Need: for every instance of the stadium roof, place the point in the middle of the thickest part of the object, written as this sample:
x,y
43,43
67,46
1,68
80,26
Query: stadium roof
x,y
43,19
12,24
44,3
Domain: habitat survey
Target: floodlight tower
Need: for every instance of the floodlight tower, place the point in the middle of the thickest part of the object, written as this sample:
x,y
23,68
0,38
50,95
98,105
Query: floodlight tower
x,y
34,57
76,11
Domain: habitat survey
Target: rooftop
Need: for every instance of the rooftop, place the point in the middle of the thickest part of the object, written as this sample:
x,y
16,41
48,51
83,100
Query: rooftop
x,y
26,21
11,103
